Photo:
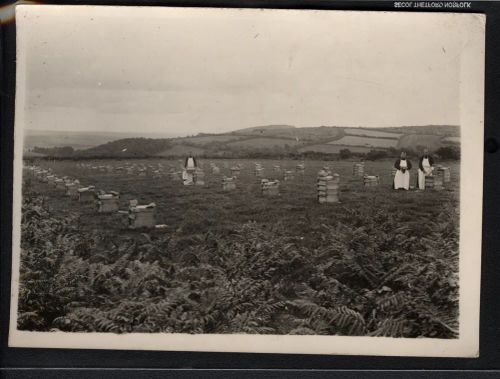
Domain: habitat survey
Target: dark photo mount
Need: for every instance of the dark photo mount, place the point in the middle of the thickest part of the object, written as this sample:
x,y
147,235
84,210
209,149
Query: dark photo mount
x,y
182,363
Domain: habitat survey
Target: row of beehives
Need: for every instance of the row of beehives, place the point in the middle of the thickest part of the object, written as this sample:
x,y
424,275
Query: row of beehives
x,y
259,170
105,202
154,170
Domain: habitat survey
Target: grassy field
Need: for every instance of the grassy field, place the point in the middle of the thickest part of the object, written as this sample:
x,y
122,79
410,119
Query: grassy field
x,y
432,142
334,148
366,141
380,262
371,133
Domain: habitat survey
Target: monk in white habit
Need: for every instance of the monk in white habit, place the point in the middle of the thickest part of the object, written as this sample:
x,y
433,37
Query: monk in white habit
x,y
189,169
402,177
425,168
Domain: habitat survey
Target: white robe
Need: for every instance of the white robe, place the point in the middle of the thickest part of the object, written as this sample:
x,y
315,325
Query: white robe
x,y
190,164
187,177
402,180
422,174
188,172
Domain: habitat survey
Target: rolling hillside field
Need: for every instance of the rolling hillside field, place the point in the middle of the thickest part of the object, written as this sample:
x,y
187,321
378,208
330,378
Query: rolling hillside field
x,y
432,142
333,148
365,141
180,150
272,140
203,140
262,142
370,133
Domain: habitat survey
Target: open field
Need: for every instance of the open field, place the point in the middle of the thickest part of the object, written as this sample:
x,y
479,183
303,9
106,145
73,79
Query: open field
x,y
371,133
429,141
331,148
263,142
380,262
202,140
366,141
453,140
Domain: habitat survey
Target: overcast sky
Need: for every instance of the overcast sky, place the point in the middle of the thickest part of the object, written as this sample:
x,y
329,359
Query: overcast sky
x,y
185,71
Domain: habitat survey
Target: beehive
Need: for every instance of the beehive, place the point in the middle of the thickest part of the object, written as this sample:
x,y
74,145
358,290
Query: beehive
x,y
259,170
270,187
175,176
328,187
141,216
44,178
235,171
438,182
72,189
445,172
429,182
358,170
215,170
228,184
108,202
199,177
370,181
86,194
277,169
60,184
51,179
288,175
300,168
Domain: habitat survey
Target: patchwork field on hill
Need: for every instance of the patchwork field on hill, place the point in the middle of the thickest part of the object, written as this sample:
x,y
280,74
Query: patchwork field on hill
x,y
365,141
329,148
371,133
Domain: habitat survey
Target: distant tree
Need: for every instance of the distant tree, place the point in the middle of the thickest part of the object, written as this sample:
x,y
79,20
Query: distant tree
x,y
449,152
393,152
345,154
373,155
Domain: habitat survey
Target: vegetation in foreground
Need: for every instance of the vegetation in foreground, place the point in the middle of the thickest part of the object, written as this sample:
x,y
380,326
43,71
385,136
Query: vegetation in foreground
x,y
376,265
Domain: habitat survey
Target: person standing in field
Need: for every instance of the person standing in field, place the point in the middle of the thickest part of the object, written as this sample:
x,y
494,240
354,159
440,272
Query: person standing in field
x,y
425,168
402,177
190,166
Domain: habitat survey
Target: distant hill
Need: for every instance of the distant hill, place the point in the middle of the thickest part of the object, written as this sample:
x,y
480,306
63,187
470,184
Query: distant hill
x,y
77,140
272,140
442,130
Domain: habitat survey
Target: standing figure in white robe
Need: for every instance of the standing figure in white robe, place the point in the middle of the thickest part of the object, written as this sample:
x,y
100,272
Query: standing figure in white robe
x,y
190,165
425,168
402,177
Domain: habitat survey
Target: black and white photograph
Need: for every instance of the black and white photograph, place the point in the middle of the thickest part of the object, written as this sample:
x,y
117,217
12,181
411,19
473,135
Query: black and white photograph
x,y
248,180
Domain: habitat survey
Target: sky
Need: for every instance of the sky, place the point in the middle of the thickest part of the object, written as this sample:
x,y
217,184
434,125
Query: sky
x,y
185,71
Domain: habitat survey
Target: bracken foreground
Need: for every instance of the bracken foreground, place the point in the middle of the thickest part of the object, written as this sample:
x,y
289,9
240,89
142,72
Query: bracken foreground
x,y
380,263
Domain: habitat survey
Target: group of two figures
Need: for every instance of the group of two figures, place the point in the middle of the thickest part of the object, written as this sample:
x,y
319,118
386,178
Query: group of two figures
x,y
403,167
